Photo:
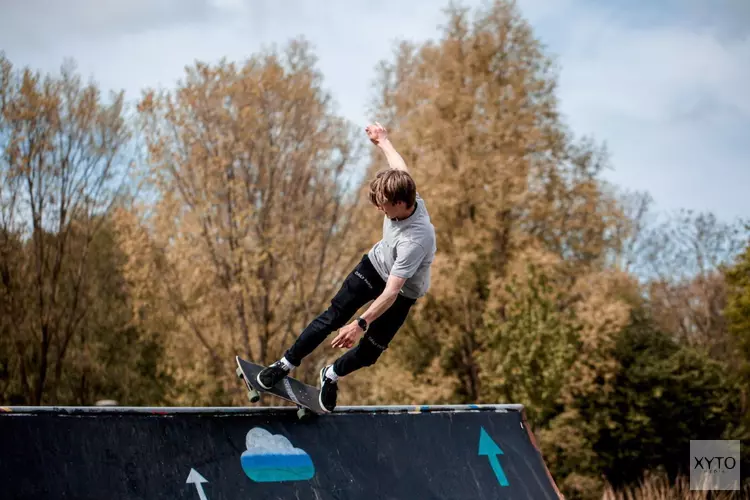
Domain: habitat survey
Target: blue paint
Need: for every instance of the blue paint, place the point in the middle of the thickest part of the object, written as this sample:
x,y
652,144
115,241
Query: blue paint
x,y
254,461
275,468
489,448
277,476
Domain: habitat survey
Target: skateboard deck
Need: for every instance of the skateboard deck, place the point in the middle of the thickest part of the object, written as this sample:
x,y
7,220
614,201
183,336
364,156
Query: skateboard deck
x,y
290,389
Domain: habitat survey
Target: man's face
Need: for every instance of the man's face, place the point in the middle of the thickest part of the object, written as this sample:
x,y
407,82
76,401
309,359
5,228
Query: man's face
x,y
391,210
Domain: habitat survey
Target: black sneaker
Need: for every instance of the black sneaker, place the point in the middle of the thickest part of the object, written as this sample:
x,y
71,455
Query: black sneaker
x,y
328,389
272,375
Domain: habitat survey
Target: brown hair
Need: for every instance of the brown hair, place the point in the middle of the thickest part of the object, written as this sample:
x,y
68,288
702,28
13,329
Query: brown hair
x,y
393,185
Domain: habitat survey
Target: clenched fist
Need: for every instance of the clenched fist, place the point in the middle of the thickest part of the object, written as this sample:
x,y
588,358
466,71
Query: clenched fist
x,y
376,133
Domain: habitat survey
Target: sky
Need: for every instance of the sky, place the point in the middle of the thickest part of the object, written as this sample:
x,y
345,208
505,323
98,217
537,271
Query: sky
x,y
664,85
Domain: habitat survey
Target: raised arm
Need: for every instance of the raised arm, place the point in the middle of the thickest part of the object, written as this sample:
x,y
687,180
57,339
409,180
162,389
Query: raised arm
x,y
379,136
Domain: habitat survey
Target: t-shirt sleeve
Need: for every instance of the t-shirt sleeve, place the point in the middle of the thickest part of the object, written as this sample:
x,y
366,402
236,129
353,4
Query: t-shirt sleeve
x,y
408,257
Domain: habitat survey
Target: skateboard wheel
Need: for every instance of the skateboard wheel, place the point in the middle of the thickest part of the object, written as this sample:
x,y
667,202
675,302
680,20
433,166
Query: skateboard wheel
x,y
302,413
253,395
239,372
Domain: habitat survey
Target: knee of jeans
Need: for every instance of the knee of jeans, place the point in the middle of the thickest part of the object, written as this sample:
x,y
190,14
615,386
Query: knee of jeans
x,y
368,351
335,316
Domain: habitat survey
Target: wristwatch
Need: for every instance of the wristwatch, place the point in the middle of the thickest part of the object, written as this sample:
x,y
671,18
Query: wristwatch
x,y
362,323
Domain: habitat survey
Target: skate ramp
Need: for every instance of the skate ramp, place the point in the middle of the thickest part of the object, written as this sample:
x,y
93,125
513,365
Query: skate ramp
x,y
440,452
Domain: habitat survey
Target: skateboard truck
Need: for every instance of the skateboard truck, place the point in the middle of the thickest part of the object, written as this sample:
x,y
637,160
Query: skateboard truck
x,y
252,394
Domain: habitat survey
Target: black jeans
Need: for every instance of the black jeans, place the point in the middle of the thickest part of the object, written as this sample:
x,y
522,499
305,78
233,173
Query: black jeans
x,y
362,285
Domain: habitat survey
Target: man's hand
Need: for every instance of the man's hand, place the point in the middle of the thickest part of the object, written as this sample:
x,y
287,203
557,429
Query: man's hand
x,y
379,136
377,133
347,336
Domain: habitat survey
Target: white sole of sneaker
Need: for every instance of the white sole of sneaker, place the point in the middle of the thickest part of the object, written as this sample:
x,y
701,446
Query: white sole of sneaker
x,y
320,393
257,379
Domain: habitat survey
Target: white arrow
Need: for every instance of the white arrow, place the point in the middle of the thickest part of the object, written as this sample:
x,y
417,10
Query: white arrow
x,y
197,479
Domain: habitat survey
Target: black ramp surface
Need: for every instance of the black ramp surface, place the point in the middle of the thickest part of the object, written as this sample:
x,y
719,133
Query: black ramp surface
x,y
222,453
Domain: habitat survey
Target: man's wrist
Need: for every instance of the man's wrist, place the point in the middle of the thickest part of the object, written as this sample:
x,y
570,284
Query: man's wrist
x,y
384,143
362,323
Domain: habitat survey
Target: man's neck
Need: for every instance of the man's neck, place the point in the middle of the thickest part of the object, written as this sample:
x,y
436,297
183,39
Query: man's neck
x,y
408,214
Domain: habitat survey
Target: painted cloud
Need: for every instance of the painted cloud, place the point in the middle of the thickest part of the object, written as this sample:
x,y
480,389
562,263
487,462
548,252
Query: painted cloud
x,y
272,458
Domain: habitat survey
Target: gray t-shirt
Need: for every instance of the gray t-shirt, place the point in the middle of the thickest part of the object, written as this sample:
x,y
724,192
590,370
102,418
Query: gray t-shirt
x,y
407,250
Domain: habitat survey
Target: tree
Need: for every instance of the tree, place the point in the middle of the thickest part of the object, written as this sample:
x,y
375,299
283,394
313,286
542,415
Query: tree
x,y
475,116
737,315
737,311
642,419
248,236
530,350
60,170
681,261
648,420
114,357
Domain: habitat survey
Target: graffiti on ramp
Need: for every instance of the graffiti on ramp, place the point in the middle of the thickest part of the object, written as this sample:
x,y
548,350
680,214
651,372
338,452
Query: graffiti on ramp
x,y
272,458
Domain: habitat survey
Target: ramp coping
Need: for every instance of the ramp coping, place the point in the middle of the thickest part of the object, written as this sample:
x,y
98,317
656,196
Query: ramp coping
x,y
388,409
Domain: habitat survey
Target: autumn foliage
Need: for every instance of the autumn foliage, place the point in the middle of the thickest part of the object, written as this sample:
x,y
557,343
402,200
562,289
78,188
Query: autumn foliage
x,y
142,249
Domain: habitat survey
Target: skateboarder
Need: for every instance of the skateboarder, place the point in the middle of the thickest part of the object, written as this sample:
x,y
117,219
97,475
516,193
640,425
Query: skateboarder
x,y
393,274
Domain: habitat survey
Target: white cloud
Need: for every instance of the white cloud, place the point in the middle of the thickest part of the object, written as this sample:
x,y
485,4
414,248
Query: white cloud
x,y
643,73
261,442
669,100
666,89
47,23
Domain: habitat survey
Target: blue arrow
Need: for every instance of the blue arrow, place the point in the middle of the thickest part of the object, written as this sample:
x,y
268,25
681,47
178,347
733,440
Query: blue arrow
x,y
488,447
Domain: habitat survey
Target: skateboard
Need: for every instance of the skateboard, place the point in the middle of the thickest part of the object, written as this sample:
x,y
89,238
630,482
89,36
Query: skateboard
x,y
304,396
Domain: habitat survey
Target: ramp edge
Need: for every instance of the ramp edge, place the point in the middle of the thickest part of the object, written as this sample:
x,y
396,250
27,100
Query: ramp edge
x,y
532,439
233,410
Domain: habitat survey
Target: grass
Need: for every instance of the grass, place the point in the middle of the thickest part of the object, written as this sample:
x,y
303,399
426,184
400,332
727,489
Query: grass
x,y
657,487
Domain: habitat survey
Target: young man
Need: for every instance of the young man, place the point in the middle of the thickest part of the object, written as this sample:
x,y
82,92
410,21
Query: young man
x,y
393,274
